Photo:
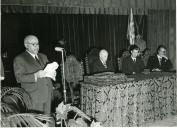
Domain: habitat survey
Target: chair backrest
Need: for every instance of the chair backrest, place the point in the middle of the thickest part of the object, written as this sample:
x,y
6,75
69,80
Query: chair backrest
x,y
73,69
91,57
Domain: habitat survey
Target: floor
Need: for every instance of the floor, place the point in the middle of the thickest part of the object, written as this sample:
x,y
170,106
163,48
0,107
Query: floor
x,y
169,122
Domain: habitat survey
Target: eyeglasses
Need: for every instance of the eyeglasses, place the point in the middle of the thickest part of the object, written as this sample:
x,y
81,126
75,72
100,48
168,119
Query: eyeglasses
x,y
163,51
34,44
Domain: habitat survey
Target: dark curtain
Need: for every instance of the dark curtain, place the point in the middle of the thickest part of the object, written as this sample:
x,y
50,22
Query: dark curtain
x,y
81,32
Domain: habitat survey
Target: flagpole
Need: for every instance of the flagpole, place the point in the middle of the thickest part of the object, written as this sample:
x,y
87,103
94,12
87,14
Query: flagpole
x,y
63,72
131,29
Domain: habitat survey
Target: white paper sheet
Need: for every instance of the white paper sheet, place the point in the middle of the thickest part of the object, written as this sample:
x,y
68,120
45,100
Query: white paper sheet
x,y
50,70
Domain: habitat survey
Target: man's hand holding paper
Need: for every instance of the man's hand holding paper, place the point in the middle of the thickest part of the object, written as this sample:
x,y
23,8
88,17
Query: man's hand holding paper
x,y
50,70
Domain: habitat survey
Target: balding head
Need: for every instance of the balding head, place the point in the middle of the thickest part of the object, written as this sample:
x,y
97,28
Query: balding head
x,y
30,38
31,44
103,54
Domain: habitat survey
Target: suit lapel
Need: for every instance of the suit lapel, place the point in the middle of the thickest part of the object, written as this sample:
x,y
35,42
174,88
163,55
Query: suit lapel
x,y
41,60
31,60
132,60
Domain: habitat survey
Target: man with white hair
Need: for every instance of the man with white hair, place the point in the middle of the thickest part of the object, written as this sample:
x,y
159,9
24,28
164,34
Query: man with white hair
x,y
102,64
28,69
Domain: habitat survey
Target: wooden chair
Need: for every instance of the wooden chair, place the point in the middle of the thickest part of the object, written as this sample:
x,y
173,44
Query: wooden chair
x,y
73,73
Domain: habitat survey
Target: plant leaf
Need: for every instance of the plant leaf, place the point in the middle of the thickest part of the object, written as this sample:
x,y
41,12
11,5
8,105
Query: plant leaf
x,y
15,94
32,120
5,107
79,112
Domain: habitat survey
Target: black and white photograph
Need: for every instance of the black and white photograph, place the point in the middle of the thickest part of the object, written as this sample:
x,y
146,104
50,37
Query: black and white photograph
x,y
88,63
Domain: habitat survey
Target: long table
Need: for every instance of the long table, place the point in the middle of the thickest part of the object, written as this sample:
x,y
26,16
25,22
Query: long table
x,y
145,99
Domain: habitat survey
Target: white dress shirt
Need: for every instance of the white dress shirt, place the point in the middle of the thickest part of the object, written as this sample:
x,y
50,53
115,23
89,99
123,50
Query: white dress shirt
x,y
134,59
160,59
33,55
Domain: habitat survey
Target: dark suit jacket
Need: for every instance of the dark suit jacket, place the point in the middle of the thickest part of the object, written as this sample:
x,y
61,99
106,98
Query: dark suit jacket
x,y
98,67
24,68
2,69
129,66
153,62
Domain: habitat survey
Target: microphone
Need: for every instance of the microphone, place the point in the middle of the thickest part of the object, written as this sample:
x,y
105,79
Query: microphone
x,y
58,49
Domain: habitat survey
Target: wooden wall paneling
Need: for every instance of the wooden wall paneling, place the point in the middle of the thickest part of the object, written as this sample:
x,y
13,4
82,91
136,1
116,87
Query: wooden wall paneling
x,y
140,4
88,3
97,3
10,2
147,4
124,3
102,10
75,3
116,3
112,11
144,4
153,4
124,11
33,2
107,3
59,3
173,3
116,11
133,3
91,10
160,4
67,3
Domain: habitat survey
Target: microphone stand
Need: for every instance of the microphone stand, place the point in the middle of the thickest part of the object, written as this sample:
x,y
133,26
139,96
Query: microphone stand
x,y
63,76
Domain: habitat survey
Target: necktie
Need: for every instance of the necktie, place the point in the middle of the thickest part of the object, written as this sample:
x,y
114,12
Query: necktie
x,y
134,60
160,61
105,65
37,60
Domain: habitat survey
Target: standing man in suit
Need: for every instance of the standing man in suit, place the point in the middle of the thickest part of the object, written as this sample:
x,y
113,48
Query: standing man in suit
x,y
133,64
160,61
102,64
28,69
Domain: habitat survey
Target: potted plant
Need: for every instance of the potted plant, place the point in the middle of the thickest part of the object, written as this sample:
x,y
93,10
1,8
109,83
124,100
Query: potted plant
x,y
11,116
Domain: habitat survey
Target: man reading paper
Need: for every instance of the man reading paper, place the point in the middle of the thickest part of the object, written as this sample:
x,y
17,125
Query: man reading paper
x,y
28,69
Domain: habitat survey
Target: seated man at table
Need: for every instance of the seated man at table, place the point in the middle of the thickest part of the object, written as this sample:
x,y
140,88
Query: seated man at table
x,y
160,61
102,64
133,64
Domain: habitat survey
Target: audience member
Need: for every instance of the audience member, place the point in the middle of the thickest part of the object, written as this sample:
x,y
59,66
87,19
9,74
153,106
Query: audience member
x,y
133,64
102,64
28,69
160,61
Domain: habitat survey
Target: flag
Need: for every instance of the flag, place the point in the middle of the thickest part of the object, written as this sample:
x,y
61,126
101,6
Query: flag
x,y
130,30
